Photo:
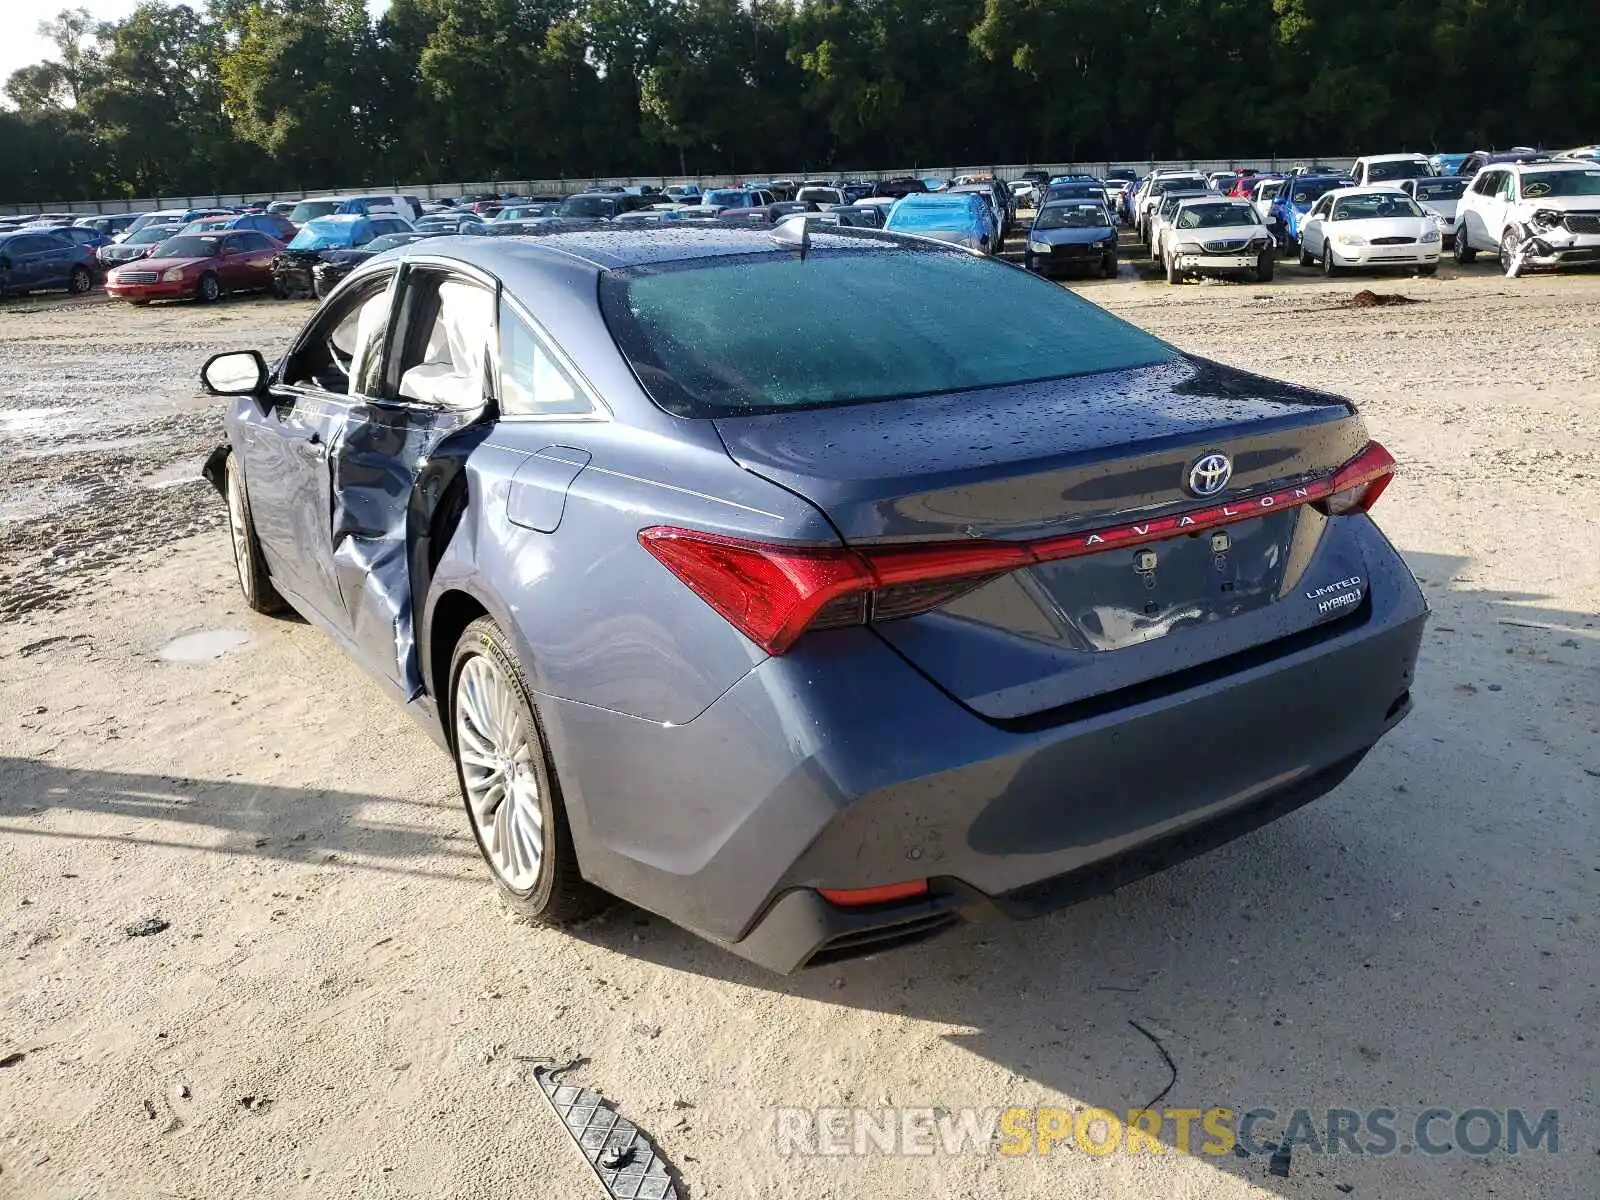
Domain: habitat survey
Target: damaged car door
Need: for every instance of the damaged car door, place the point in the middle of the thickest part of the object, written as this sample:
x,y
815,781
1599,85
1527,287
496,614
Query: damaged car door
x,y
284,441
394,464
345,461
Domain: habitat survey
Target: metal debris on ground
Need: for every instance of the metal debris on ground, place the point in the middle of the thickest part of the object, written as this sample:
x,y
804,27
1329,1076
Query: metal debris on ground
x,y
622,1158
146,927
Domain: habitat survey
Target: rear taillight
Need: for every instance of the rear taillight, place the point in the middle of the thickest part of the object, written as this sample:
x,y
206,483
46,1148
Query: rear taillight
x,y
1358,484
774,592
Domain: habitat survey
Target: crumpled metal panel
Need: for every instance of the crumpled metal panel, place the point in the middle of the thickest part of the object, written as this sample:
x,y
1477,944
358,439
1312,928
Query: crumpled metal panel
x,y
392,468
622,1158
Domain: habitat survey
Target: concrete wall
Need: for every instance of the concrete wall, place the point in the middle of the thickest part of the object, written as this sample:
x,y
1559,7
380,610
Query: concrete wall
x,y
565,187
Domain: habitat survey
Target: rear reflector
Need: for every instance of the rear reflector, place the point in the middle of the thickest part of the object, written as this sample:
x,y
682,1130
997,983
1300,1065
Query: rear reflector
x,y
773,592
887,894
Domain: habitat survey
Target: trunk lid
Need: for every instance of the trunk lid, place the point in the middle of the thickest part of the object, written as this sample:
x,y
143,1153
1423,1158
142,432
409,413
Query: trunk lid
x,y
1059,459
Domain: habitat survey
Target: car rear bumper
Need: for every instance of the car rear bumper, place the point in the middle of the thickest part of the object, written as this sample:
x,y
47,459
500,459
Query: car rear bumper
x,y
842,766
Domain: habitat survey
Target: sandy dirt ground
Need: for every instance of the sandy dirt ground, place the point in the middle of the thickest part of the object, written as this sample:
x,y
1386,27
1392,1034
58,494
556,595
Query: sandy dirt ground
x,y
337,1005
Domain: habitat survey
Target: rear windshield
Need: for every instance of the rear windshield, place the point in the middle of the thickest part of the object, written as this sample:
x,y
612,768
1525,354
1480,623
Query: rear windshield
x,y
150,233
768,333
912,215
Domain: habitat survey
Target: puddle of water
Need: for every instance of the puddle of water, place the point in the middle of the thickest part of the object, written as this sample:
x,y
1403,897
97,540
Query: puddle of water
x,y
176,475
31,506
203,646
88,446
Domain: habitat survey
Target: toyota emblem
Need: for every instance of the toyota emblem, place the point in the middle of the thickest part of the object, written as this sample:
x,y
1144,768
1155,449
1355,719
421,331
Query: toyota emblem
x,y
1210,473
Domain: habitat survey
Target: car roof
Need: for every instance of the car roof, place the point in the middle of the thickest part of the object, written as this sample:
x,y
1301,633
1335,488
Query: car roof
x,y
1212,198
1406,156
620,247
1553,164
1376,189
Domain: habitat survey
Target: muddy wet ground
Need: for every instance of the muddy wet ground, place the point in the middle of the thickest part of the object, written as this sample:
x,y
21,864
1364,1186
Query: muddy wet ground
x,y
250,951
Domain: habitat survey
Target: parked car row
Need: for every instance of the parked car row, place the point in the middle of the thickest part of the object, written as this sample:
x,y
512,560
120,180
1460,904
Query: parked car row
x,y
1400,210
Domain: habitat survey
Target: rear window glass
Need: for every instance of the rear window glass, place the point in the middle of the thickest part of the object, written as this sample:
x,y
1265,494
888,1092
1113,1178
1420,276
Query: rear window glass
x,y
715,337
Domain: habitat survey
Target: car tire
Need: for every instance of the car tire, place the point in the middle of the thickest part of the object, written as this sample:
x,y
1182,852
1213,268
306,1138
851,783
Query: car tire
x,y
1509,244
1329,267
259,594
1266,265
209,289
1171,265
1109,268
550,890
79,281
1305,258
1465,254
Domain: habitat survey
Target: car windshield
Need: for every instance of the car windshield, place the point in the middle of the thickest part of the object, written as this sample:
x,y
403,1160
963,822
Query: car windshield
x,y
1381,172
1310,193
1183,184
1441,189
1072,216
308,210
588,206
727,196
150,234
1374,206
187,247
1215,216
1560,183
765,333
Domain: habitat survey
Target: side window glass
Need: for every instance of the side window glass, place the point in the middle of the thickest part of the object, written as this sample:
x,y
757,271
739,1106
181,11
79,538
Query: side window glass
x,y
1506,186
444,352
532,382
345,344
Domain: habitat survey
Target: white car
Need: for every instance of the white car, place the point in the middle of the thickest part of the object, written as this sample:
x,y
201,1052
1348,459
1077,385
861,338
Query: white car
x,y
1263,194
1025,191
1355,227
1217,235
1161,183
1389,168
814,194
1537,214
1438,194
1161,216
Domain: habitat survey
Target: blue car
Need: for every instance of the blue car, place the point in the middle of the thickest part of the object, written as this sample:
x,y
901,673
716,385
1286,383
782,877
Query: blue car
x,y
34,260
1294,201
744,575
1446,164
963,219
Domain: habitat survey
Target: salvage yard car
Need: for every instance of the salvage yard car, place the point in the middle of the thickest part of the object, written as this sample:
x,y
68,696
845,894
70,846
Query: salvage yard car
x,y
1217,236
1072,234
1544,214
33,260
198,266
745,576
293,271
1380,227
958,218
1440,196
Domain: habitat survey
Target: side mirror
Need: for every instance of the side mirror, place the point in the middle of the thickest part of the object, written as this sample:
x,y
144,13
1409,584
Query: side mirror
x,y
235,373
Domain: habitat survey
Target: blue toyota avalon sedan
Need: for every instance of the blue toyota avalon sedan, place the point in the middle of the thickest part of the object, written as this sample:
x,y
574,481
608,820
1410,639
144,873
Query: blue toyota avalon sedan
x,y
747,578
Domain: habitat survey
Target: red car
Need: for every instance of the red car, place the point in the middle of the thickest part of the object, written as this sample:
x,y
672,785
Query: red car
x,y
199,266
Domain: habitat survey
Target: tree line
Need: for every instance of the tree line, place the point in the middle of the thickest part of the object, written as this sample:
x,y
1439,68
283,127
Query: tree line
x,y
257,95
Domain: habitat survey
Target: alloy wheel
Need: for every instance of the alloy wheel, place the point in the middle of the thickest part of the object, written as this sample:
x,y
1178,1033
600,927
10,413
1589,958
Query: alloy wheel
x,y
494,746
